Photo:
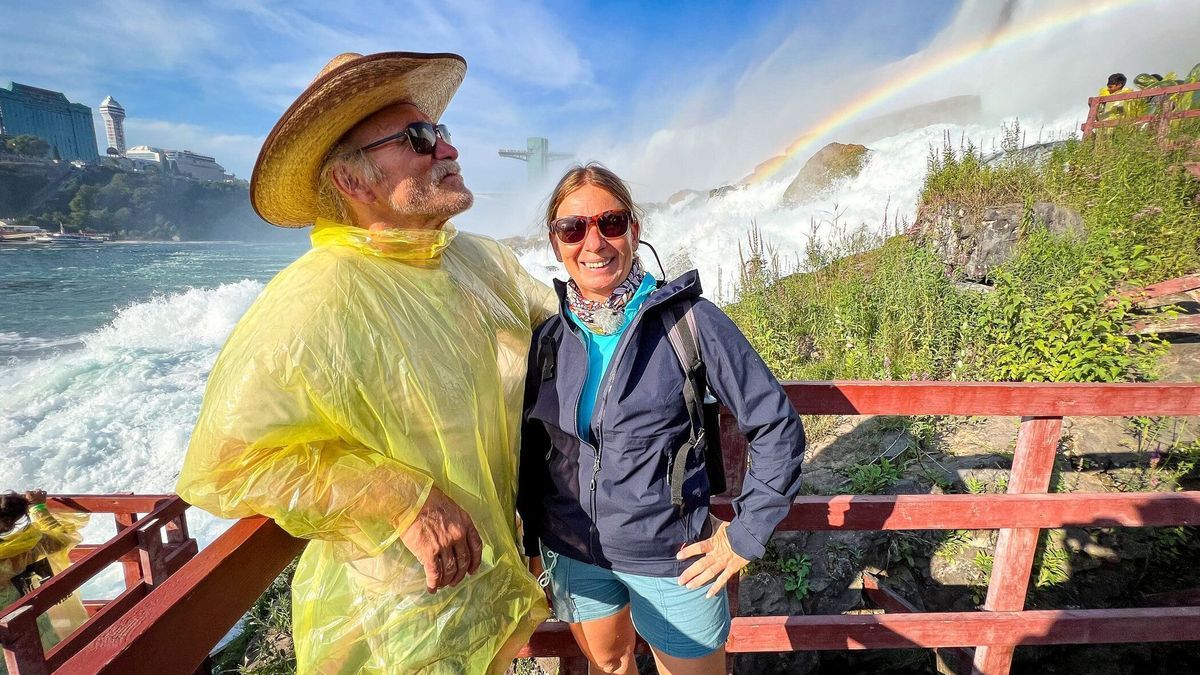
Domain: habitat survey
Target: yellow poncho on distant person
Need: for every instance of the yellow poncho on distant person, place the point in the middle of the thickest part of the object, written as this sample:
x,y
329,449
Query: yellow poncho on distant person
x,y
29,556
377,365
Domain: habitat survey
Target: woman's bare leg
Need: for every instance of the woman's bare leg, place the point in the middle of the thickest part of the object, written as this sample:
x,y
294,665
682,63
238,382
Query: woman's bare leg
x,y
608,643
710,664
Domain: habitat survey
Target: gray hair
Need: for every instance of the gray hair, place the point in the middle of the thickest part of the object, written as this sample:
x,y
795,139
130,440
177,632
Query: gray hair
x,y
343,157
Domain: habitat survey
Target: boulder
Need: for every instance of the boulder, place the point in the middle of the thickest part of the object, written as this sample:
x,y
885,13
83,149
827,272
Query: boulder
x,y
683,195
976,243
723,191
832,163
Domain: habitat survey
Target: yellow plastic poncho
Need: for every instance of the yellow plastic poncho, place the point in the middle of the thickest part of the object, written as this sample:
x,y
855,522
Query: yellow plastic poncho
x,y
372,368
1129,109
32,554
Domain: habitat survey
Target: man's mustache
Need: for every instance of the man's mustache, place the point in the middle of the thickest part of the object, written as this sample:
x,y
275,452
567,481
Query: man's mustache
x,y
444,168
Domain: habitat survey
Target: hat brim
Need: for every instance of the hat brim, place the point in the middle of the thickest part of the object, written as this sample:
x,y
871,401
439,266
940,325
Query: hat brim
x,y
283,186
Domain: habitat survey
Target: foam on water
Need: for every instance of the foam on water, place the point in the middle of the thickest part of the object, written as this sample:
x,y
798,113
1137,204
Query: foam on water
x,y
115,415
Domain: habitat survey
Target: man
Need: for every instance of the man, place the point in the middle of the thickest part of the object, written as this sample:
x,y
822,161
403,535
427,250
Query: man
x,y
370,399
1116,85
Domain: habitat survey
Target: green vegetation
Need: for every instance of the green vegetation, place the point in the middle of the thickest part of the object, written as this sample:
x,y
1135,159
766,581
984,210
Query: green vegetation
x,y
1052,561
29,146
130,205
883,308
871,479
264,646
795,575
879,310
983,562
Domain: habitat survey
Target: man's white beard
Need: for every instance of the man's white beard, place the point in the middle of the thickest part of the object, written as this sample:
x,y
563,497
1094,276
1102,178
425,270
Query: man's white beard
x,y
427,198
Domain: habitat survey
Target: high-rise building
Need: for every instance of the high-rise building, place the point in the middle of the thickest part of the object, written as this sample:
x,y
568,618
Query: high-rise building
x,y
114,123
66,126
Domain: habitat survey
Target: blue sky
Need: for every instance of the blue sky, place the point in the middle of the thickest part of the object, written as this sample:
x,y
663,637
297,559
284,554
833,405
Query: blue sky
x,y
670,94
214,76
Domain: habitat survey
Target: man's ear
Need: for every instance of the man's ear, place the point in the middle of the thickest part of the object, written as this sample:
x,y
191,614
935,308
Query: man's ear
x,y
351,185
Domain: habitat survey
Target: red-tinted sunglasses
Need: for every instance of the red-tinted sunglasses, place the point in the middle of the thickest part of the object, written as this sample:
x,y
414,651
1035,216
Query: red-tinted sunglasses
x,y
611,224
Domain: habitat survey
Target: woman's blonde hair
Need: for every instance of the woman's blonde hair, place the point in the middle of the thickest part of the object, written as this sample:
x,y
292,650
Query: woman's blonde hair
x,y
592,173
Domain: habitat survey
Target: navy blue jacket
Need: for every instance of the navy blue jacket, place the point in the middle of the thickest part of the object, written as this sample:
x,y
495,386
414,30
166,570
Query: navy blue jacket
x,y
609,504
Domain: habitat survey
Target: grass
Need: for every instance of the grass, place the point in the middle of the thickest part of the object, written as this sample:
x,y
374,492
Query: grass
x,y
883,307
796,571
871,478
954,543
882,313
258,650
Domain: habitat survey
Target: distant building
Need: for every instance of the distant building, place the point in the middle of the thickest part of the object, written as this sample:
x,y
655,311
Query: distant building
x,y
114,123
186,162
145,157
66,126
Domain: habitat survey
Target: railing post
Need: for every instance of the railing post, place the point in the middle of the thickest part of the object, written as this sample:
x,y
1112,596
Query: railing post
x,y
150,552
1093,106
131,570
23,653
733,588
177,530
1164,120
1012,564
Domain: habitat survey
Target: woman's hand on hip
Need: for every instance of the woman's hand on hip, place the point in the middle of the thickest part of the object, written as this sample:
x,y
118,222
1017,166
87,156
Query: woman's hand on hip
x,y
717,561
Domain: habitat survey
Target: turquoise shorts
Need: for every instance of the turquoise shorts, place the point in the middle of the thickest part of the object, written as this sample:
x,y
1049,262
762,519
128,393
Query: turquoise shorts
x,y
675,620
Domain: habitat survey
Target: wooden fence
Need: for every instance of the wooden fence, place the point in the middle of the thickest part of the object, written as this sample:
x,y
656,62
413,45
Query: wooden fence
x,y
174,626
1166,113
150,549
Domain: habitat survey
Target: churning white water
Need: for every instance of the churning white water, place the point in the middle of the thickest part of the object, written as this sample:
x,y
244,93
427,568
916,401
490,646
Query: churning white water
x,y
115,415
708,232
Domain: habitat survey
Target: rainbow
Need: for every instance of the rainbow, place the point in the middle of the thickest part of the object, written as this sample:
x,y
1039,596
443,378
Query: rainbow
x,y
895,85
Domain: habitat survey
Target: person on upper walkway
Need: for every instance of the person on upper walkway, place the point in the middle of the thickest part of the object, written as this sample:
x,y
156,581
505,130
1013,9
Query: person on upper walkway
x,y
614,492
370,399
1116,85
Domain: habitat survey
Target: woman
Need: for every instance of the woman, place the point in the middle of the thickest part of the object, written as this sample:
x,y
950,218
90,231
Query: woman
x,y
34,545
604,417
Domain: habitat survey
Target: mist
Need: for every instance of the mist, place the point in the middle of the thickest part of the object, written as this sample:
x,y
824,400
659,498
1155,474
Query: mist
x,y
1040,77
713,136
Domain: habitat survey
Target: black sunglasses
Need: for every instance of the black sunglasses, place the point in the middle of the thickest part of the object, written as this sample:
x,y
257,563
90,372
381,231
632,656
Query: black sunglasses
x,y
422,136
611,224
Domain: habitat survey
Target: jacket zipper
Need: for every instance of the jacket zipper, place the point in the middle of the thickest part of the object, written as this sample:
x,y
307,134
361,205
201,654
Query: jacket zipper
x,y
606,387
592,532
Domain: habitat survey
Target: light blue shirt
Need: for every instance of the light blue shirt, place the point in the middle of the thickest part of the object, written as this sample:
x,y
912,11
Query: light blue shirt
x,y
600,350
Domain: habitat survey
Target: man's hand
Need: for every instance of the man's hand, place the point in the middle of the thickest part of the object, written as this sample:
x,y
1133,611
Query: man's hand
x,y
445,540
718,561
35,497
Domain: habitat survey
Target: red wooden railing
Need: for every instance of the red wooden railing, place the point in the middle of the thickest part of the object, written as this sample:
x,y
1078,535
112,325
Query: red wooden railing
x,y
139,546
1177,286
208,594
1163,117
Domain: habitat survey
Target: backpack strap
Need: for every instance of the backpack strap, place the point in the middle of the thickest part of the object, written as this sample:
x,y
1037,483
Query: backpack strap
x,y
680,324
547,351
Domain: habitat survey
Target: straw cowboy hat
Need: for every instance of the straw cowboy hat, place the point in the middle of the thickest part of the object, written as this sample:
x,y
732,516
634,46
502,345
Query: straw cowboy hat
x,y
350,88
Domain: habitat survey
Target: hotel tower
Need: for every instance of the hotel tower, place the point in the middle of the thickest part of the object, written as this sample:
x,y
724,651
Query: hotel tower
x,y
114,123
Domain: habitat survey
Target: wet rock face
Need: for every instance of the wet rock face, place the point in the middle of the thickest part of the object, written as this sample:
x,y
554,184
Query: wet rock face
x,y
977,243
832,163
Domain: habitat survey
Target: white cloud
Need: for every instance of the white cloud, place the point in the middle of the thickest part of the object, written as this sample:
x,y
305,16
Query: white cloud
x,y
714,131
236,152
